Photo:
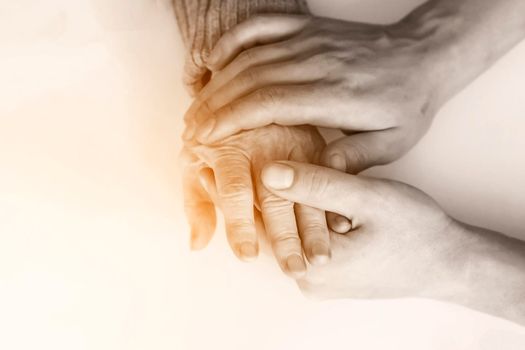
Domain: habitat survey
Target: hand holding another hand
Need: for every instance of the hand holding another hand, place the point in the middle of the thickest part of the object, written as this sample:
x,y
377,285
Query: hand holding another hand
x,y
381,85
231,169
371,81
402,243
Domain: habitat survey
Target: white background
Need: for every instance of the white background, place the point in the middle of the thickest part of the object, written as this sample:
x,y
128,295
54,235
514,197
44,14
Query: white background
x,y
93,241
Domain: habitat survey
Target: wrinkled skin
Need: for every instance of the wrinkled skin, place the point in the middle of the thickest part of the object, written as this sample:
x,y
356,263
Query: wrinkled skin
x,y
234,185
371,81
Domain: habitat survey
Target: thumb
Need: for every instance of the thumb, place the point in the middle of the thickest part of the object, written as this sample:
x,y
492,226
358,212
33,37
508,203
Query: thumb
x,y
358,152
317,187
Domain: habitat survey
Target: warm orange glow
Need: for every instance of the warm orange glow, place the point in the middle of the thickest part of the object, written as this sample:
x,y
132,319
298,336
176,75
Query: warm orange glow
x,y
94,250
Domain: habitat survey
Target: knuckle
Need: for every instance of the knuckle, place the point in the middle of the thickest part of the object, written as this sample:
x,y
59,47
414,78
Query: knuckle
x,y
236,189
249,77
356,154
314,229
272,204
210,105
246,57
231,36
286,240
334,60
231,109
268,98
317,59
261,20
237,229
238,31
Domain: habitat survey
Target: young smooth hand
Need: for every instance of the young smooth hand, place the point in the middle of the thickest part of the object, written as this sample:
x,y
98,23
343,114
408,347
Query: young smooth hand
x,y
402,244
360,78
380,84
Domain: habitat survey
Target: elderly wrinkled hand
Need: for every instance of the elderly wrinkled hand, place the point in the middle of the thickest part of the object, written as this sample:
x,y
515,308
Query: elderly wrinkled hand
x,y
232,167
371,81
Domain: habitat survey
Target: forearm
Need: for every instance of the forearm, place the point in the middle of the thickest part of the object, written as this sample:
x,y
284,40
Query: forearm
x,y
465,37
202,23
488,274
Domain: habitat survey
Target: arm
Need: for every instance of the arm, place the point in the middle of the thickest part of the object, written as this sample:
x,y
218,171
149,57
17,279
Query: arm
x,y
403,244
383,84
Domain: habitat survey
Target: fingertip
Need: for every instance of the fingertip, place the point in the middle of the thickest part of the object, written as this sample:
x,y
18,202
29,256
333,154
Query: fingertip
x,y
319,254
295,266
344,225
339,223
337,161
242,237
202,223
198,241
215,67
248,251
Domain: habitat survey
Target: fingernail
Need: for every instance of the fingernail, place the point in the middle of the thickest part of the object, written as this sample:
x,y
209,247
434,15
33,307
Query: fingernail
x,y
338,162
344,225
295,265
320,253
248,251
278,176
205,129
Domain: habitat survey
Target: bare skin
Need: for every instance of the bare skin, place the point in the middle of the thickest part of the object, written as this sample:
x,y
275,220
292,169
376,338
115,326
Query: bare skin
x,y
230,173
224,175
403,244
381,85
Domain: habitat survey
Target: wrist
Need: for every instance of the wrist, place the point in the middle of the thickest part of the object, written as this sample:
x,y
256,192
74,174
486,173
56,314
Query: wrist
x,y
486,273
458,40
447,278
436,31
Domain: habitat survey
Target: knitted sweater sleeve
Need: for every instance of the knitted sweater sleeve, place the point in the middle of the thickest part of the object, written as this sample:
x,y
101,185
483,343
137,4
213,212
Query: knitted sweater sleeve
x,y
202,22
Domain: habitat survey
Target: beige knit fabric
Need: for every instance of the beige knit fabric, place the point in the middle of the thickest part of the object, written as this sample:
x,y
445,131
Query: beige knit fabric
x,y
202,22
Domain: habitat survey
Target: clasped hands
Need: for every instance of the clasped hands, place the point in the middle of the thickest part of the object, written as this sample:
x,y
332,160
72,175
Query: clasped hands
x,y
275,79
254,152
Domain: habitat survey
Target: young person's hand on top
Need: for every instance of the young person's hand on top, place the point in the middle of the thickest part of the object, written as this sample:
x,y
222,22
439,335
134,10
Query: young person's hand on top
x,y
380,84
